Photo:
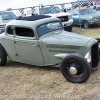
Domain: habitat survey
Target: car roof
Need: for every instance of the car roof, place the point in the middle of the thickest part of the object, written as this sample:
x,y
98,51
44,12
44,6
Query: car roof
x,y
82,8
83,0
33,18
32,21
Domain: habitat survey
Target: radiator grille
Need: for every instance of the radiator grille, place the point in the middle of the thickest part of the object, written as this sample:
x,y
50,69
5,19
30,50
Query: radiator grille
x,y
95,55
2,27
63,18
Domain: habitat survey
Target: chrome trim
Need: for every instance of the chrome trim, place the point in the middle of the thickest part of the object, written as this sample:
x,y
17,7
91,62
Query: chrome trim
x,y
73,70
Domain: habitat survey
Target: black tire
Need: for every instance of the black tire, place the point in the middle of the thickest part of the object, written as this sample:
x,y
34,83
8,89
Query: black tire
x,y
3,56
77,61
86,24
99,43
68,28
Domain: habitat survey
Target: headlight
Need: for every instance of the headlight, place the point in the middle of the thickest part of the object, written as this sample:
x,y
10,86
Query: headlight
x,y
94,19
88,57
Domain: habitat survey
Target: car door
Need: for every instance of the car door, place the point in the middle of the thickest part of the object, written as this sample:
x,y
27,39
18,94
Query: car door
x,y
27,46
76,17
9,44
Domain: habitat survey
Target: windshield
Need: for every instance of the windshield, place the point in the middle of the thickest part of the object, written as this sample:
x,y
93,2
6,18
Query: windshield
x,y
87,11
48,27
48,10
8,16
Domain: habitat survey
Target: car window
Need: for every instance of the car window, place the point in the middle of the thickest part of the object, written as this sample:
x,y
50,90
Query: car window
x,y
25,32
87,11
75,13
8,15
48,10
48,27
10,31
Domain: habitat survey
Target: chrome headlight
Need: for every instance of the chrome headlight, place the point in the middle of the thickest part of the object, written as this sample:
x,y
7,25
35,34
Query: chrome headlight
x,y
94,19
88,57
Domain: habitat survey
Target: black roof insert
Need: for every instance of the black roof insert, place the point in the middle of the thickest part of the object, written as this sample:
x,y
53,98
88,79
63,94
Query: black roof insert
x,y
33,18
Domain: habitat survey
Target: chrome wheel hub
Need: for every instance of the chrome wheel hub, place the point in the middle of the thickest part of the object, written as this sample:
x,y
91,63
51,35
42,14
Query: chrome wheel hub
x,y
73,70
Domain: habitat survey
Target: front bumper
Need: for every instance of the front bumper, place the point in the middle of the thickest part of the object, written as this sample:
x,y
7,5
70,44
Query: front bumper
x,y
95,22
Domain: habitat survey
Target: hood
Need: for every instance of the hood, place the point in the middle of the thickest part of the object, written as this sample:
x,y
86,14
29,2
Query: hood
x,y
66,38
59,14
61,43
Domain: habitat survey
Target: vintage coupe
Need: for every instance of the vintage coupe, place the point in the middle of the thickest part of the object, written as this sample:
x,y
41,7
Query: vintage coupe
x,y
41,40
85,16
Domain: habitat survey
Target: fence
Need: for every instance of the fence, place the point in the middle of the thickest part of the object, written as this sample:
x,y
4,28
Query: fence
x,y
62,6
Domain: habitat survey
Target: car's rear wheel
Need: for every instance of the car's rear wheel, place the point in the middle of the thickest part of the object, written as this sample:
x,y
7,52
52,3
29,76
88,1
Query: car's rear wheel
x,y
86,24
75,68
3,56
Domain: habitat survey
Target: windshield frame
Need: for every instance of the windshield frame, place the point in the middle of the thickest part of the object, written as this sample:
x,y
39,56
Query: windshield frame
x,y
50,30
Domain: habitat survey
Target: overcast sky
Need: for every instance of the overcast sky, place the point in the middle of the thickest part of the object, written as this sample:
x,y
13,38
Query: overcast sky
x,y
4,4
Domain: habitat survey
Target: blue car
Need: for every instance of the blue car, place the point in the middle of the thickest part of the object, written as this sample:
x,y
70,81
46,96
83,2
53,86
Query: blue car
x,y
85,17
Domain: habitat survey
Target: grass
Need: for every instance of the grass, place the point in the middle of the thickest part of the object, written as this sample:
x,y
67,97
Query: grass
x,y
25,82
91,32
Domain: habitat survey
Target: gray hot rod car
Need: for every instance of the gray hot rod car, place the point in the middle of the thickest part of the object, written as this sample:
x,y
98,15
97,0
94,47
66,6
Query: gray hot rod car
x,y
41,40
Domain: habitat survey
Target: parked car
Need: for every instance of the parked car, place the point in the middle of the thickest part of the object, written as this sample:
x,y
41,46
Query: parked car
x,y
96,7
65,17
85,3
41,40
6,17
85,17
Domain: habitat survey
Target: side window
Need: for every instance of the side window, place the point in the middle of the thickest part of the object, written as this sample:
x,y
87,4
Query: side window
x,y
75,13
10,31
25,32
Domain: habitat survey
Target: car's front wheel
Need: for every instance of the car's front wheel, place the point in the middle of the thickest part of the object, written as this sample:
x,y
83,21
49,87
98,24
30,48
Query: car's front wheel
x,y
75,68
86,24
3,56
